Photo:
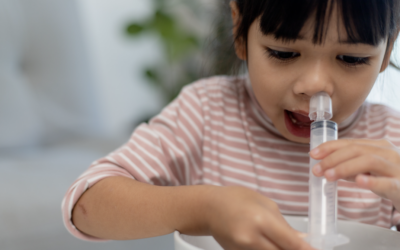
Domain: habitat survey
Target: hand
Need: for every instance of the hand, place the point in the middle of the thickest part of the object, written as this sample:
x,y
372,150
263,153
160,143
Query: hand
x,y
372,164
240,219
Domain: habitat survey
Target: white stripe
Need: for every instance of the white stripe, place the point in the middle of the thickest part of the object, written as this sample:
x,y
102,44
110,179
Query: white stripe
x,y
146,164
239,182
288,212
195,111
281,152
171,110
222,115
153,146
280,171
229,158
378,133
226,127
226,147
221,88
109,158
227,137
193,124
95,168
285,192
178,169
359,210
165,120
70,204
224,102
153,158
208,181
219,95
285,162
362,200
296,204
93,180
192,140
355,190
274,141
393,130
193,94
225,99
364,219
257,129
212,172
224,107
136,168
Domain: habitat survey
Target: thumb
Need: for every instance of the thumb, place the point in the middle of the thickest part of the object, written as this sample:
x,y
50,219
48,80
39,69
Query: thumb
x,y
301,234
383,186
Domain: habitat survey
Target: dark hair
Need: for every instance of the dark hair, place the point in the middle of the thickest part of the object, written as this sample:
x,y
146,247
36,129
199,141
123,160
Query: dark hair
x,y
366,21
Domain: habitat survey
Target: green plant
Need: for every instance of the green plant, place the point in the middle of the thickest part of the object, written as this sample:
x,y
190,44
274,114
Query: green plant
x,y
180,46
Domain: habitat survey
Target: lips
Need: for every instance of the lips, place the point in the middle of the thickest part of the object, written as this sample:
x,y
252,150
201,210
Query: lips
x,y
298,123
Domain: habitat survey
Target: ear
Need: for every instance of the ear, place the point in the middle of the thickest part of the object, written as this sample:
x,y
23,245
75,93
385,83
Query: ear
x,y
240,46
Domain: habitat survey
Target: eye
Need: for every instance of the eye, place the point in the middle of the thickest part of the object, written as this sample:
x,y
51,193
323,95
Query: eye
x,y
282,55
352,60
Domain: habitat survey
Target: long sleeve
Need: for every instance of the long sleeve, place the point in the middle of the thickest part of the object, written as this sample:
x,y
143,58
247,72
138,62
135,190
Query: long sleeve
x,y
167,152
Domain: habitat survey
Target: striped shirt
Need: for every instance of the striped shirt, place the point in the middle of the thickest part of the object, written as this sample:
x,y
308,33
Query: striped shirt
x,y
216,133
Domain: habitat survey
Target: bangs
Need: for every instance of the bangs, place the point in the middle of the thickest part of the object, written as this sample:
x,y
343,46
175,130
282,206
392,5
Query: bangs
x,y
365,21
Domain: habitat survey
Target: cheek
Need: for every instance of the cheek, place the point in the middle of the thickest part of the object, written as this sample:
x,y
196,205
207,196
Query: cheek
x,y
352,92
267,80
268,88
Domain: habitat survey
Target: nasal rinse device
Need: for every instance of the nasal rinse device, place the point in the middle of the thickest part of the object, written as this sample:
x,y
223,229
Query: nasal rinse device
x,y
322,212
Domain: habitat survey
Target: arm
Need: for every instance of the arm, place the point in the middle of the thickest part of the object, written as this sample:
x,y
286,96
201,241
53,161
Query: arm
x,y
120,208
238,218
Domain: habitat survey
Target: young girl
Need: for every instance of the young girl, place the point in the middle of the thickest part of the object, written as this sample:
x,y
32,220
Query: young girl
x,y
230,155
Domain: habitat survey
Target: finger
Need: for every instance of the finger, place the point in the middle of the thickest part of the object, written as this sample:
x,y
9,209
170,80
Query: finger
x,y
267,245
284,236
261,243
327,148
383,186
334,159
372,164
351,151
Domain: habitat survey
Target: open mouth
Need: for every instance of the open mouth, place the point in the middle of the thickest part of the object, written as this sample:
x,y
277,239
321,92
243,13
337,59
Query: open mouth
x,y
297,124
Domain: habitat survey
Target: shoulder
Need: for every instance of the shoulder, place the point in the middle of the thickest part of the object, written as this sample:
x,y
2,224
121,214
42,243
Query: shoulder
x,y
379,112
217,86
383,120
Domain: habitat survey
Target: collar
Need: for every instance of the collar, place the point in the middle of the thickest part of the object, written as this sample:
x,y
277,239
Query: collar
x,y
262,118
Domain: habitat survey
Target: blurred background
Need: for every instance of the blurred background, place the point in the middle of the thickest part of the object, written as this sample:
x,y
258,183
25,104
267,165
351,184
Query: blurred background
x,y
77,76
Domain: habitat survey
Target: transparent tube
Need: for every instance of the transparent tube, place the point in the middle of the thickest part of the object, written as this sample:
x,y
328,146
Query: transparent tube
x,y
322,213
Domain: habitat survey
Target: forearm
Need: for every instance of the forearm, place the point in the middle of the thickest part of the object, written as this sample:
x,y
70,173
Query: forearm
x,y
120,208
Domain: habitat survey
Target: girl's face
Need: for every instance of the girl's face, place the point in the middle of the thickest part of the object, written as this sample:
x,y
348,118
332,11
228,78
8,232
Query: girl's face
x,y
285,75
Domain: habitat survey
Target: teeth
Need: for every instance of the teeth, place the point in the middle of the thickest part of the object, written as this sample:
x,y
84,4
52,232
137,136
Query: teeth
x,y
293,120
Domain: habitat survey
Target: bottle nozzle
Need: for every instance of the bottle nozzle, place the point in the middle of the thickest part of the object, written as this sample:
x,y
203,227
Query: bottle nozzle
x,y
320,107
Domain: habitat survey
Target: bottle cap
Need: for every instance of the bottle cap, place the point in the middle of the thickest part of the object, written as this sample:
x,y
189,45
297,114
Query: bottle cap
x,y
320,107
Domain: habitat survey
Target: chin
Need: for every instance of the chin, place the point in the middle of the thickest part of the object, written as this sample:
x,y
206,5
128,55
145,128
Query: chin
x,y
297,139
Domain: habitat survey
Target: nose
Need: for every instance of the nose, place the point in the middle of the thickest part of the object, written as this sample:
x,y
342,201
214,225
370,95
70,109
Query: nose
x,y
314,77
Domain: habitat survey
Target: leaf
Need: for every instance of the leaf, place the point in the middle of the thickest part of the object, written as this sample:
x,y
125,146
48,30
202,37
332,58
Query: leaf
x,y
152,75
134,29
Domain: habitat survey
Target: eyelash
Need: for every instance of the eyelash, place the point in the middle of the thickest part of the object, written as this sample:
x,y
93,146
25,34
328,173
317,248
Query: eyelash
x,y
275,55
358,60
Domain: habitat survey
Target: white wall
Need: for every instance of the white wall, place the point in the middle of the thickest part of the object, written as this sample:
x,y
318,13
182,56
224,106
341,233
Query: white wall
x,y
117,61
